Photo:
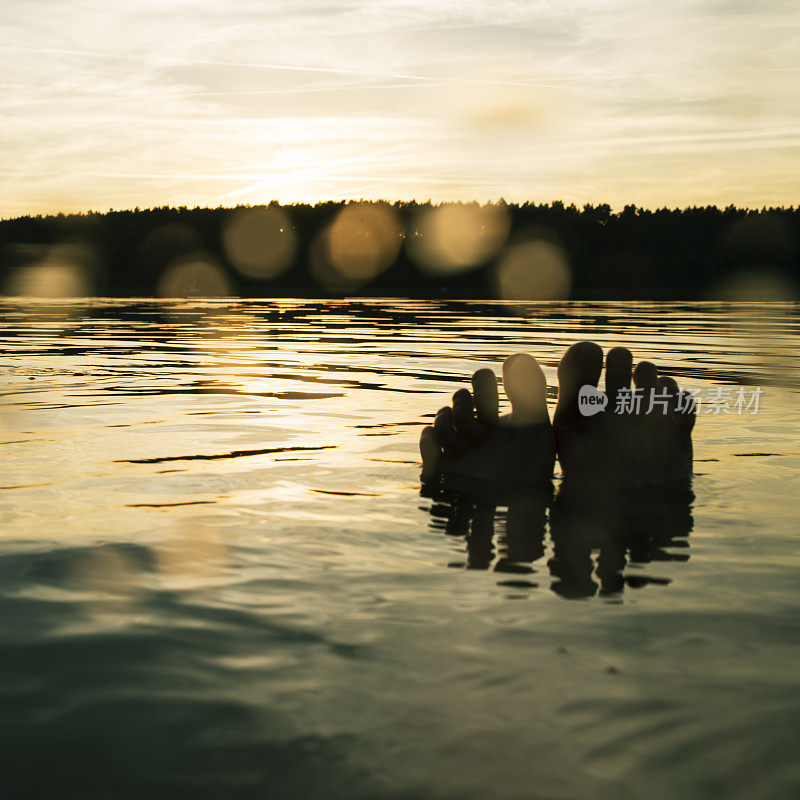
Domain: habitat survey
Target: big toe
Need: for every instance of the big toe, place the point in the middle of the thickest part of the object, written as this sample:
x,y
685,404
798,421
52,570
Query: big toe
x,y
526,388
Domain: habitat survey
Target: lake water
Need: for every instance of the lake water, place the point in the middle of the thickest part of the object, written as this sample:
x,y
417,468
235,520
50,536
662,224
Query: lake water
x,y
218,578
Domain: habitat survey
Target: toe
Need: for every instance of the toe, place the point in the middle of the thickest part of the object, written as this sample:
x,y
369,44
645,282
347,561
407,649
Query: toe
x,y
464,416
526,388
668,387
484,389
463,396
619,367
676,428
446,433
681,408
686,412
431,451
645,376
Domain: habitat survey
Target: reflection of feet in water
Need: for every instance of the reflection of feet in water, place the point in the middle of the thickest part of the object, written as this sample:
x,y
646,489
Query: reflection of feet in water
x,y
597,543
642,438
475,518
630,529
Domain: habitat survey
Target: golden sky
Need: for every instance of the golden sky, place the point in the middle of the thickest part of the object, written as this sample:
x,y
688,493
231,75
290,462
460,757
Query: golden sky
x,y
198,102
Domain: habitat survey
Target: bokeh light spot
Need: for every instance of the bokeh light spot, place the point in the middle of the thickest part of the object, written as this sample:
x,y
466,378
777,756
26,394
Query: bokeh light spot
x,y
456,237
756,286
362,242
194,277
260,242
534,270
64,271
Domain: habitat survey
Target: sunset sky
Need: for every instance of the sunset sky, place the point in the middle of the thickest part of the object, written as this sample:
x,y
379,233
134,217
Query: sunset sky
x,y
121,104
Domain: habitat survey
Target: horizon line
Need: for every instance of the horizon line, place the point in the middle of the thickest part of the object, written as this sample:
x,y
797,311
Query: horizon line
x,y
614,210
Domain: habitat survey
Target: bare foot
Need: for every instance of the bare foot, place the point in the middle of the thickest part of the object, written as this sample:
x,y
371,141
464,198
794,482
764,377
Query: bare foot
x,y
470,440
641,438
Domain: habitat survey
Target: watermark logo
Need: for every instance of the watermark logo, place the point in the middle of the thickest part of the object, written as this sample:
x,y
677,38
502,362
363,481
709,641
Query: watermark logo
x,y
591,400
711,400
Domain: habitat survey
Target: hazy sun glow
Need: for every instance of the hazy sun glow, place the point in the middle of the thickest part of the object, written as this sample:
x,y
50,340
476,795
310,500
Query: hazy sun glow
x,y
112,104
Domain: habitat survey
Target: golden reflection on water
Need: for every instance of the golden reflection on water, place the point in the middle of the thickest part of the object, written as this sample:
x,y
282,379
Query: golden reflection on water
x,y
189,554
200,411
212,524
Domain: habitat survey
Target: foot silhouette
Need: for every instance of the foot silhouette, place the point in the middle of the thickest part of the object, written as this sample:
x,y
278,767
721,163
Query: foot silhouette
x,y
470,441
642,438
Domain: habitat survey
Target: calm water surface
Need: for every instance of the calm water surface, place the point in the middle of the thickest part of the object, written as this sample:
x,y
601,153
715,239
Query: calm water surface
x,y
219,579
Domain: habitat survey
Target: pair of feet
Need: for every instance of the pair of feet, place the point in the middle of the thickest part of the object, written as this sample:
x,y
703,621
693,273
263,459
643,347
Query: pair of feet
x,y
641,437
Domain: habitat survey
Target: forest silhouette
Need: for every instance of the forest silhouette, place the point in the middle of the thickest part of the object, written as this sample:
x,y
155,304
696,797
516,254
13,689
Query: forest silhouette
x,y
410,249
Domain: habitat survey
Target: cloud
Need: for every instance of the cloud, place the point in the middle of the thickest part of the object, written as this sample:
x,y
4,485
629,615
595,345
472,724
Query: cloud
x,y
586,100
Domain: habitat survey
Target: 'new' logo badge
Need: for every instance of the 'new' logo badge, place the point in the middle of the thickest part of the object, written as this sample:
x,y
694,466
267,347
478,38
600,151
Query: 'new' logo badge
x,y
591,400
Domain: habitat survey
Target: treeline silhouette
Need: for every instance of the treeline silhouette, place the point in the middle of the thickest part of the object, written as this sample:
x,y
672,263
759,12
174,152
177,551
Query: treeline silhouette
x,y
691,253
